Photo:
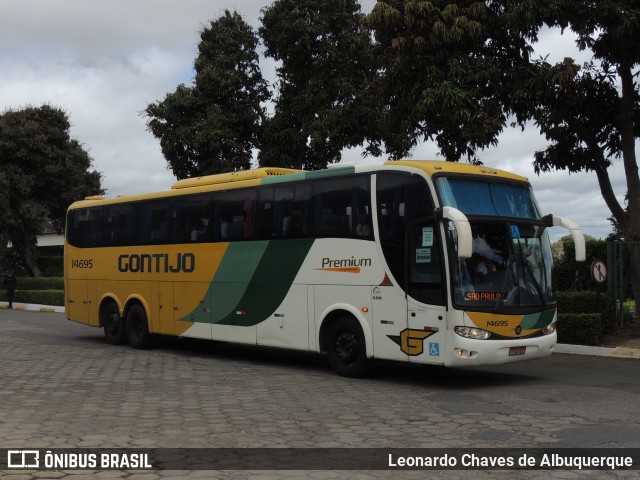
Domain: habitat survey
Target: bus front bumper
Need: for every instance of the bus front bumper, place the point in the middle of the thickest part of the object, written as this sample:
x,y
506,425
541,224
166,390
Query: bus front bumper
x,y
466,352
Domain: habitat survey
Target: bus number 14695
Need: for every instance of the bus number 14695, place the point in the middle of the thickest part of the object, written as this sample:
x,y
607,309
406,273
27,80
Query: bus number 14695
x,y
82,264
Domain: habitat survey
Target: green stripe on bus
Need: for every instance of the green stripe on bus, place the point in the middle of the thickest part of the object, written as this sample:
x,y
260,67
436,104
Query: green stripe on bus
x,y
252,281
330,172
233,276
270,283
293,177
537,320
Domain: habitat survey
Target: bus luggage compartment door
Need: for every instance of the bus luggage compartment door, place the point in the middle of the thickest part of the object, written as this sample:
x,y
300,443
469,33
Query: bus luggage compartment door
x,y
78,301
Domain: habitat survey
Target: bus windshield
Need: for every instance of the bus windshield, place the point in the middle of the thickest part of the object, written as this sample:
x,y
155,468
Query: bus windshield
x,y
510,268
511,262
488,198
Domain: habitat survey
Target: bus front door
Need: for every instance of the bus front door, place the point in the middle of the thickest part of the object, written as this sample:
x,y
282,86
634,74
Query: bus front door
x,y
423,341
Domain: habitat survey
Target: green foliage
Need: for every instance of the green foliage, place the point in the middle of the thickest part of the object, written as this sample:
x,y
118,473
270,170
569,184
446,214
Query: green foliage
x,y
38,290
11,261
43,168
42,171
51,266
584,316
37,297
446,68
40,283
579,328
213,125
454,71
571,275
584,302
589,302
591,113
324,103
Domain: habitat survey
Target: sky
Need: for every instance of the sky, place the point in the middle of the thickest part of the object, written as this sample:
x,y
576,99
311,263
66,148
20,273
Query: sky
x,y
104,62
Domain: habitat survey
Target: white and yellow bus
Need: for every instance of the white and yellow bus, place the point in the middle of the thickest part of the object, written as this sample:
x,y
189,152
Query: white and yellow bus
x,y
419,261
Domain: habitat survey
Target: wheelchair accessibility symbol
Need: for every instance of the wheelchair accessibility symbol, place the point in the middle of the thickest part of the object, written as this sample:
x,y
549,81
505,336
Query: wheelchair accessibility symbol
x,y
434,349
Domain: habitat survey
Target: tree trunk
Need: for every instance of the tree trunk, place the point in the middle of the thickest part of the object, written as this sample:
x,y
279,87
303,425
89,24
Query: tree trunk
x,y
633,234
627,137
31,255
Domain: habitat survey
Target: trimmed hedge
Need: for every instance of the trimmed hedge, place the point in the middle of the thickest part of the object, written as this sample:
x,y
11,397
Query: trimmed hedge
x,y
40,283
39,297
579,328
38,290
587,301
584,316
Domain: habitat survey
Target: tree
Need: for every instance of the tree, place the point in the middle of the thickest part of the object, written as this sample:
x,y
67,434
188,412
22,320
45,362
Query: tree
x,y
212,126
591,114
42,171
444,71
324,78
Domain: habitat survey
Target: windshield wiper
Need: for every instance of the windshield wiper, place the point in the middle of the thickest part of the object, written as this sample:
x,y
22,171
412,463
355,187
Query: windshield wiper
x,y
507,277
536,284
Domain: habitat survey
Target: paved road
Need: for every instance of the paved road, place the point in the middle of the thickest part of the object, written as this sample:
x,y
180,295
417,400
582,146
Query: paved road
x,y
61,385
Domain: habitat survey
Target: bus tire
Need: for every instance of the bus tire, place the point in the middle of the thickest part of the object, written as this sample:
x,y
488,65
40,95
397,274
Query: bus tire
x,y
346,348
113,324
137,327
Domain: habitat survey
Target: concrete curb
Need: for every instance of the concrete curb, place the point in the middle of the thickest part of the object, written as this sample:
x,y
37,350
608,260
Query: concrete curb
x,y
618,352
33,308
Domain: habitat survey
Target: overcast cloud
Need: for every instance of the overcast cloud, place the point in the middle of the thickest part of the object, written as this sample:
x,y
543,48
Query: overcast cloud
x,y
104,62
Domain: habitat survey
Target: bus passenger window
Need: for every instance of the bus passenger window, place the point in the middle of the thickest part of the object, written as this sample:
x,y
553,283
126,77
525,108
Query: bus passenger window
x,y
292,210
151,222
192,219
339,205
237,214
363,229
265,213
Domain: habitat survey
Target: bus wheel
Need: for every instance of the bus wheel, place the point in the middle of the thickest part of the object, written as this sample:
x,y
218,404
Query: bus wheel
x,y
346,348
113,325
137,327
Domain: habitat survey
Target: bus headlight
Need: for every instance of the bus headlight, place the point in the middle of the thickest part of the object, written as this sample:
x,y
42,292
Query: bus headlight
x,y
474,333
549,329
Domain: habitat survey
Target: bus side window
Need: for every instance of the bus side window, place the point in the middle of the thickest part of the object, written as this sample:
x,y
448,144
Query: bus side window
x,y
93,233
85,227
237,215
192,219
340,205
152,222
124,226
265,214
400,197
290,210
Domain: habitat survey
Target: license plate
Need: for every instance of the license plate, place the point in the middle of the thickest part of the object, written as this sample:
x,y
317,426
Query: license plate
x,y
516,351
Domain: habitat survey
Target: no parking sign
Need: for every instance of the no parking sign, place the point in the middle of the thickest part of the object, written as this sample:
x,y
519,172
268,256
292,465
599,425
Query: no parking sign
x,y
599,271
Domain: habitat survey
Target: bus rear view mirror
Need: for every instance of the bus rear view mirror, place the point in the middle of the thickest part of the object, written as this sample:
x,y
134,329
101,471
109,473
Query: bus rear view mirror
x,y
463,229
574,230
